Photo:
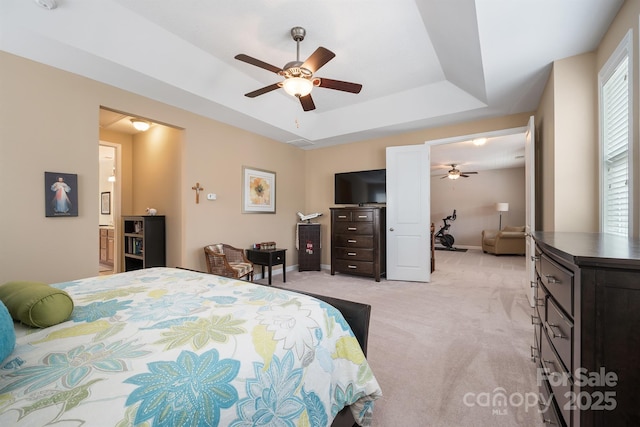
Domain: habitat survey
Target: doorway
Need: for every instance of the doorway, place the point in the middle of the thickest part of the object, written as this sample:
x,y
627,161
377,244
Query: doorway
x,y
490,169
108,207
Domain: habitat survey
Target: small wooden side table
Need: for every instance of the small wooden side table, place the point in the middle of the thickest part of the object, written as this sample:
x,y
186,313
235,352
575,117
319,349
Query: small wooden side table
x,y
269,258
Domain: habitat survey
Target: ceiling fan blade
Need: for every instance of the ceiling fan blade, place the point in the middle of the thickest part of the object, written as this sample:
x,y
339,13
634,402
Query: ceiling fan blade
x,y
339,85
470,173
317,59
464,176
253,61
307,103
262,91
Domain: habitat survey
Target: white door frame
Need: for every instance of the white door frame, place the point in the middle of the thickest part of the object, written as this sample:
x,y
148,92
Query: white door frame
x,y
116,202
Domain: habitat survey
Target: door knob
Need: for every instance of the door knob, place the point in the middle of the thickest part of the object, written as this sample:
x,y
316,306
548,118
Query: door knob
x,y
391,229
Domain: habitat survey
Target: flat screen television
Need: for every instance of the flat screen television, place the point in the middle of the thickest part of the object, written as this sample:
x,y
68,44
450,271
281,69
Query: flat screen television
x,y
361,187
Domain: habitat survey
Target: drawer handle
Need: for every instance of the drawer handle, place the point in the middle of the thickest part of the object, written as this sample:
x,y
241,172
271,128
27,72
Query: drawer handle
x,y
342,216
352,253
362,216
352,241
534,353
552,328
534,284
535,320
535,258
353,267
551,278
547,421
352,228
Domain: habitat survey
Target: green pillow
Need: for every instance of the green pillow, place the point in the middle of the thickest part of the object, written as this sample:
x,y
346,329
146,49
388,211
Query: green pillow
x,y
35,303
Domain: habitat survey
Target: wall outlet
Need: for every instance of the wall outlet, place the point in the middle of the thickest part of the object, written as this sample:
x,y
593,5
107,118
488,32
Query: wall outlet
x,y
211,196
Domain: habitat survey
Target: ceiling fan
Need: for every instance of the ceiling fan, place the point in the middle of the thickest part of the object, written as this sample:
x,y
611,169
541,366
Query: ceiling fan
x,y
298,76
455,173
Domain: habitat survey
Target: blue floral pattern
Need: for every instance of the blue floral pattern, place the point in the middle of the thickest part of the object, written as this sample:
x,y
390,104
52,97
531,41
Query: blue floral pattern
x,y
272,399
188,392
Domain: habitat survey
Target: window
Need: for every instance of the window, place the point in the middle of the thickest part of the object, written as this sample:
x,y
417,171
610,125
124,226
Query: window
x,y
615,140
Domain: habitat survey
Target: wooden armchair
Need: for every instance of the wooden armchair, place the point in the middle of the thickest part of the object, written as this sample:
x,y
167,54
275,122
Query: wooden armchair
x,y
225,260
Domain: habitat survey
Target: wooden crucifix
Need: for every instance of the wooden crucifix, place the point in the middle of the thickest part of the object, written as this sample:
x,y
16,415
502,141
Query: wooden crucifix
x,y
198,190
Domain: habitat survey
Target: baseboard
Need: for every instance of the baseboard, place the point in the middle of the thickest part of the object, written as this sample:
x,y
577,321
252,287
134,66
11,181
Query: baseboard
x,y
257,275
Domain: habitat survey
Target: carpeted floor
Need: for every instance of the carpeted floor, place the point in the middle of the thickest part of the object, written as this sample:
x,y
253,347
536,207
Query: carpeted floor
x,y
452,352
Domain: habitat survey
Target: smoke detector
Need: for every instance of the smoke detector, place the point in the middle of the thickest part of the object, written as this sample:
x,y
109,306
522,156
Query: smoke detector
x,y
47,4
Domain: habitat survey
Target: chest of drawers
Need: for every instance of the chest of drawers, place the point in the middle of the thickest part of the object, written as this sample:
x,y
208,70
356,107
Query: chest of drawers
x,y
358,244
587,328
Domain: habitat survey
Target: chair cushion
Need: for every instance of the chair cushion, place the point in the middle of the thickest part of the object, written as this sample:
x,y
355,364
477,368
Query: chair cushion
x,y
241,267
217,248
36,304
513,228
7,333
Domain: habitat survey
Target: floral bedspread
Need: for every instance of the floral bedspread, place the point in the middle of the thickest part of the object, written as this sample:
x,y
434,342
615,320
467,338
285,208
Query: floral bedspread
x,y
172,347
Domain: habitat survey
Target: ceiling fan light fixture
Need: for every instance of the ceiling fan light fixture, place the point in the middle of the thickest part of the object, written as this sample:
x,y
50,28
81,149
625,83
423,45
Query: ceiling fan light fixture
x,y
453,175
141,125
297,86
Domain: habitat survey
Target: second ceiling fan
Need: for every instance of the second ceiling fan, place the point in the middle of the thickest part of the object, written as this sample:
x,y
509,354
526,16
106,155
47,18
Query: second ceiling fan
x,y
455,173
298,76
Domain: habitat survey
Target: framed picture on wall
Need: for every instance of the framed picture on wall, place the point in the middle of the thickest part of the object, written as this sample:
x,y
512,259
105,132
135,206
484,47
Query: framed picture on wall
x,y
105,203
60,194
258,191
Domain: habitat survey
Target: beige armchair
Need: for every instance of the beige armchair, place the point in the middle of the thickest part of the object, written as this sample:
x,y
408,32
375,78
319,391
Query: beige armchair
x,y
225,260
508,241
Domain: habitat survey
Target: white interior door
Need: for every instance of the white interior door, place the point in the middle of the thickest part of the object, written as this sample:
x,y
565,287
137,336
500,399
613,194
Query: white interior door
x,y
408,213
530,205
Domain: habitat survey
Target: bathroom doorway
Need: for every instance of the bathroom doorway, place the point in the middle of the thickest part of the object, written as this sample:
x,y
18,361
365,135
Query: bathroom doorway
x,y
108,207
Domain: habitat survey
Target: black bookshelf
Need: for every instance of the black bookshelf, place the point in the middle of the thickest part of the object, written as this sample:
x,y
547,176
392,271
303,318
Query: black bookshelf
x,y
144,242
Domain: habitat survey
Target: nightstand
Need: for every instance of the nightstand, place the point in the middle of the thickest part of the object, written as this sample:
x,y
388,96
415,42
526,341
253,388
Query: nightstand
x,y
269,258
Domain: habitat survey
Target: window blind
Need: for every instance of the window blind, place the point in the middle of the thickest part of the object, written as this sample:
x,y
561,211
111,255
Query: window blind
x,y
615,150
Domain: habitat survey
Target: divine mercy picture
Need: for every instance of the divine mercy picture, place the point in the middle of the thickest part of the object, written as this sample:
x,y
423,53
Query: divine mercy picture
x,y
61,194
258,191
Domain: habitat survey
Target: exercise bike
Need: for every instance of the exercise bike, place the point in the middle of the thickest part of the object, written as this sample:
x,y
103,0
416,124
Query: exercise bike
x,y
443,235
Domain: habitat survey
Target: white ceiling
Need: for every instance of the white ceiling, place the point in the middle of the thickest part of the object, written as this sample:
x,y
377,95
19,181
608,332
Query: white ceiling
x,y
422,63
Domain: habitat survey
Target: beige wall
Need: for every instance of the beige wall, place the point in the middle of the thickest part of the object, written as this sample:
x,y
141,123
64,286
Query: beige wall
x,y
567,116
156,173
476,207
545,145
49,122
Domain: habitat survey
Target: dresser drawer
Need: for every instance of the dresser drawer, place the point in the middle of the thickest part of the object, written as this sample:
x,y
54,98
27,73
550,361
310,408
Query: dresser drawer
x,y
366,216
560,331
354,267
354,228
558,281
356,254
548,406
353,241
348,216
342,216
559,380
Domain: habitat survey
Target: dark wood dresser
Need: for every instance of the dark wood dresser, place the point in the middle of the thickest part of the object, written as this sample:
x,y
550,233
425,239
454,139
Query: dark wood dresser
x,y
587,328
358,241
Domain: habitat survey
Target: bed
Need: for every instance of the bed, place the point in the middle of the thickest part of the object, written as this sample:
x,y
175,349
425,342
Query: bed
x,y
168,347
